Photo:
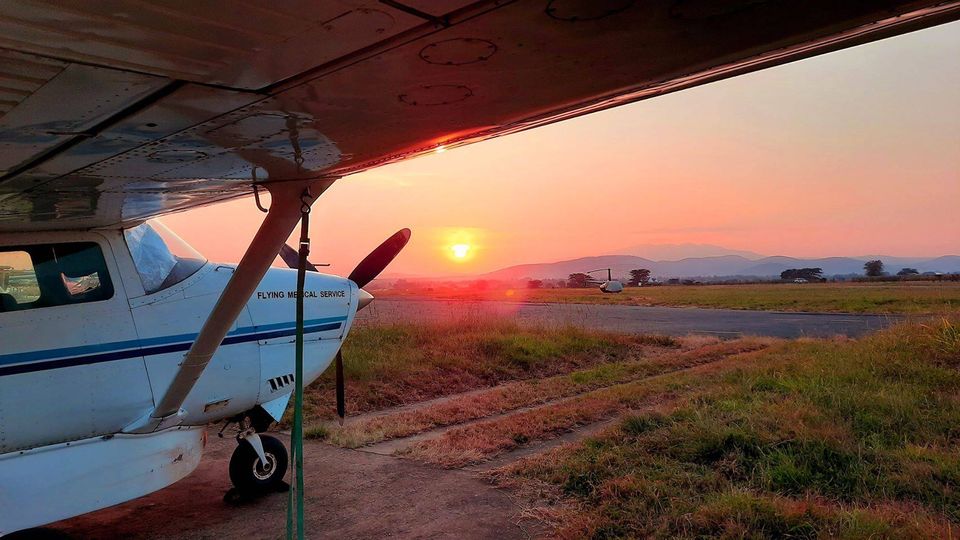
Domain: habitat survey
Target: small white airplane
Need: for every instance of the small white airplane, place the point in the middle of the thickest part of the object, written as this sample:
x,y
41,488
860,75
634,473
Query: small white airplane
x,y
118,343
111,406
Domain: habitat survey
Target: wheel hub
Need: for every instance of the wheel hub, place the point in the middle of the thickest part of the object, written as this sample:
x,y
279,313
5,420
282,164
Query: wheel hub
x,y
263,471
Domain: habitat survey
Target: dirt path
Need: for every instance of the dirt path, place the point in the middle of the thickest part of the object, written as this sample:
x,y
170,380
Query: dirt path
x,y
538,447
350,494
389,446
393,431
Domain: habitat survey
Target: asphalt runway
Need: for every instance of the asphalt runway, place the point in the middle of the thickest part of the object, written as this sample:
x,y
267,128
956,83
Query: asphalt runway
x,y
633,319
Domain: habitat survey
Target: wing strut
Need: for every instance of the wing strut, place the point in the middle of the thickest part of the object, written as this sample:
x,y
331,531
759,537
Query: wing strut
x,y
284,213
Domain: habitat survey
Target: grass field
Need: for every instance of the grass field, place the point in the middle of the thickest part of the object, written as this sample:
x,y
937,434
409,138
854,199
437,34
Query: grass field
x,y
520,394
884,297
694,438
406,363
807,439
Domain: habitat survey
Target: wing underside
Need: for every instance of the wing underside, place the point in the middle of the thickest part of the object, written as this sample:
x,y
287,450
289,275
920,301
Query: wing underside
x,y
119,110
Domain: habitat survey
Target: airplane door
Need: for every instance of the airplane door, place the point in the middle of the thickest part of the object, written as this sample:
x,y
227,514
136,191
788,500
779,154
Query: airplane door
x,y
168,324
176,289
70,363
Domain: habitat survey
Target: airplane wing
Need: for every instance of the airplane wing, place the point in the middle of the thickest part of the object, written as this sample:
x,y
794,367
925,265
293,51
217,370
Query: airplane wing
x,y
115,111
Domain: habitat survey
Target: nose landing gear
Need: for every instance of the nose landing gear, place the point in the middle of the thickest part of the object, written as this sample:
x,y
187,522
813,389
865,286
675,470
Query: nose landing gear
x,y
255,472
257,466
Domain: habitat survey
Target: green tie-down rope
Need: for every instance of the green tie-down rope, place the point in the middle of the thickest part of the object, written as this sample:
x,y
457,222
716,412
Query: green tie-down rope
x,y
296,436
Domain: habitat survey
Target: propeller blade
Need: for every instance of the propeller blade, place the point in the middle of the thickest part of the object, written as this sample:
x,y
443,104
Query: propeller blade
x,y
378,259
292,258
341,406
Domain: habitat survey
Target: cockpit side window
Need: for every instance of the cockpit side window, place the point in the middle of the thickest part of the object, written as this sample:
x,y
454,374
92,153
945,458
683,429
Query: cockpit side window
x,y
45,275
162,259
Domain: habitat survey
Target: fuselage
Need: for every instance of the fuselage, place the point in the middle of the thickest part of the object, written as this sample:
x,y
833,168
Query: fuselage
x,y
84,363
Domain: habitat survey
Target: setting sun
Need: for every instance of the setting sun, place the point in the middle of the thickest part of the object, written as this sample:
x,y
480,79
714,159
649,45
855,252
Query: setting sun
x,y
460,245
460,251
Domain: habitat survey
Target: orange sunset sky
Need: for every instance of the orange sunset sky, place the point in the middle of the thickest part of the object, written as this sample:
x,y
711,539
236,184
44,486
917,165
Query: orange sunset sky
x,y
852,153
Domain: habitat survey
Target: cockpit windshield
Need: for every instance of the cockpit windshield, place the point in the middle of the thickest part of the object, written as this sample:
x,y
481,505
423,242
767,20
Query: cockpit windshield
x,y
162,258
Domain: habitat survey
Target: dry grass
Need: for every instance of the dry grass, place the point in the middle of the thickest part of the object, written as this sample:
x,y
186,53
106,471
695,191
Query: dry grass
x,y
397,364
482,441
807,439
516,395
887,297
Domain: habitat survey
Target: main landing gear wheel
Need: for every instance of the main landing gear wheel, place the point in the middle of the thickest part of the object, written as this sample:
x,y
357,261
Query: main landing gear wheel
x,y
250,475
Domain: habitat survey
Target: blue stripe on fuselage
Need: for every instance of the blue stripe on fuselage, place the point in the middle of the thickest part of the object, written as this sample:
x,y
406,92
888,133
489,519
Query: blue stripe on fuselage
x,y
119,350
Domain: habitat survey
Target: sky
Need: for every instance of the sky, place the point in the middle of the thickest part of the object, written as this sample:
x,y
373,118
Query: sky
x,y
852,153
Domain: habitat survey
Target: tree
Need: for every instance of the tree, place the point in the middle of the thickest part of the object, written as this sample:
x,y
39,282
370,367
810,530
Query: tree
x,y
535,284
578,280
873,268
639,277
908,272
809,274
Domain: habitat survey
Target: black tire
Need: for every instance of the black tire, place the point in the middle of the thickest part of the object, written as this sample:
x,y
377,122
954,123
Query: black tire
x,y
247,472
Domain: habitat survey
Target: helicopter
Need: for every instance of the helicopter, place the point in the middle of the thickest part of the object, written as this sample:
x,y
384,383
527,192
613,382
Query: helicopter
x,y
610,285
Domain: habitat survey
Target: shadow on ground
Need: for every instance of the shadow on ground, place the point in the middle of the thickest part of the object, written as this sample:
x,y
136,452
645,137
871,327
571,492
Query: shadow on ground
x,y
350,494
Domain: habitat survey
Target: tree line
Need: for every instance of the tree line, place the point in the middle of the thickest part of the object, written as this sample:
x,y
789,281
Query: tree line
x,y
641,276
874,268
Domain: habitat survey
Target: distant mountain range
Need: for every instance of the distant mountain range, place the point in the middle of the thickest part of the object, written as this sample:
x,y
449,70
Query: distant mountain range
x,y
675,252
719,266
